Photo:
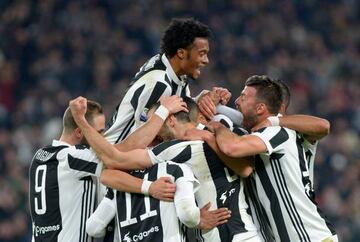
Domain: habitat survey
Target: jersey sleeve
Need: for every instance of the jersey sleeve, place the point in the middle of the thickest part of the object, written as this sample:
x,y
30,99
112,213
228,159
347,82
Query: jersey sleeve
x,y
153,90
81,160
104,213
273,137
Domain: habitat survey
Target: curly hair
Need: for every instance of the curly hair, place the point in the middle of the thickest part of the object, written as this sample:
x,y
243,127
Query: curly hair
x,y
181,33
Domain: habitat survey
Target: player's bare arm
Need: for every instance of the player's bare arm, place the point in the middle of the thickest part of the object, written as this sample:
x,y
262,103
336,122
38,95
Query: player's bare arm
x,y
145,134
241,166
162,188
313,128
112,158
236,146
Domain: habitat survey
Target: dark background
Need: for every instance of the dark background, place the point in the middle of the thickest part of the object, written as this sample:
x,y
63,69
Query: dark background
x,y
52,51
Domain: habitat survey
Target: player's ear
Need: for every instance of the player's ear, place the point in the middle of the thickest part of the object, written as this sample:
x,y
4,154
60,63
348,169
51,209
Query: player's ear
x,y
181,53
78,133
171,120
260,108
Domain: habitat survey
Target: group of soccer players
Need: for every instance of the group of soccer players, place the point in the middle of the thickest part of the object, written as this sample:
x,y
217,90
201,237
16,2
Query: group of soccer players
x,y
178,168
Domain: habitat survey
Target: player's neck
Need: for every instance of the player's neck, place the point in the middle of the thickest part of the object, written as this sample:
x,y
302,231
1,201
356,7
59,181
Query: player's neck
x,y
175,64
183,128
69,139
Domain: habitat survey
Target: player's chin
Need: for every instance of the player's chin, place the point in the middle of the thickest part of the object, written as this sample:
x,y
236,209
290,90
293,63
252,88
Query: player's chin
x,y
195,74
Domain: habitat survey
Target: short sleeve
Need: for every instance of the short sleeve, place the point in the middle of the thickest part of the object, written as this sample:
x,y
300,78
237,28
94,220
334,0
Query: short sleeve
x,y
273,137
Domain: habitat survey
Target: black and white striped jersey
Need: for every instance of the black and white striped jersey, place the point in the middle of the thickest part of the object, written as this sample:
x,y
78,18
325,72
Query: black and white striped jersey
x,y
218,185
62,191
283,189
310,152
144,218
155,78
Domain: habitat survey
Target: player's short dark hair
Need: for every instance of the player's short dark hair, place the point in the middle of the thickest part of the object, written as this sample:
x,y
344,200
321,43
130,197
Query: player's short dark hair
x,y
267,91
182,116
181,33
93,109
285,92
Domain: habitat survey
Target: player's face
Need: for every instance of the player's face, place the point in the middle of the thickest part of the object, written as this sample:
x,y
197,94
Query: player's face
x,y
246,103
165,132
97,123
196,57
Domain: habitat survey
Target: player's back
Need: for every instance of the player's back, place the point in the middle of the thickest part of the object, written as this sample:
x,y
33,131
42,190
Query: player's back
x,y
144,218
218,184
61,197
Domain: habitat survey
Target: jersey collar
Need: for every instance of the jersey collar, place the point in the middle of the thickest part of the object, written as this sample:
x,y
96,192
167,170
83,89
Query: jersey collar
x,y
171,73
59,143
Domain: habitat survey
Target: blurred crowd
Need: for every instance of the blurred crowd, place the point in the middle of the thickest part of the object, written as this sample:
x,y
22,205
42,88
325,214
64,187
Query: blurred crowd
x,y
54,50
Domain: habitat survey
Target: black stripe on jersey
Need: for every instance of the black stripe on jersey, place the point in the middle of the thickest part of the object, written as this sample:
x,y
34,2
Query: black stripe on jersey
x,y
174,170
167,79
82,147
174,88
183,156
274,202
157,92
239,131
183,91
126,129
83,202
82,165
223,121
287,198
279,138
158,65
135,98
260,213
163,146
227,195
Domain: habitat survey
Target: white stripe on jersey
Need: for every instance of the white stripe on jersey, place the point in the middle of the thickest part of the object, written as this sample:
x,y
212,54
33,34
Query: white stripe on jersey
x,y
156,78
279,178
310,152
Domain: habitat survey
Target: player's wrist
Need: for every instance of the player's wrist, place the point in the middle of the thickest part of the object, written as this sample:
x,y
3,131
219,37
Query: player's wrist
x,y
162,112
274,120
145,186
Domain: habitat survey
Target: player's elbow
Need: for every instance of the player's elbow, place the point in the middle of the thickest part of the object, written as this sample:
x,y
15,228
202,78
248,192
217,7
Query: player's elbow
x,y
246,172
105,177
93,229
228,149
324,127
187,212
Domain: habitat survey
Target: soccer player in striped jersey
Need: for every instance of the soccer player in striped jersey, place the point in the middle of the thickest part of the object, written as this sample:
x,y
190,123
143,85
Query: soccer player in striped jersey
x,y
289,210
144,218
62,189
184,51
218,184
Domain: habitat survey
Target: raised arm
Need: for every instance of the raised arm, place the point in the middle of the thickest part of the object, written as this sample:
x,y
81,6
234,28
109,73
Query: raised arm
x,y
112,158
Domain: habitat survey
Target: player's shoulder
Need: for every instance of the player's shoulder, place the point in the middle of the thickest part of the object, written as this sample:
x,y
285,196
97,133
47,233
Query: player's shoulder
x,y
154,66
175,144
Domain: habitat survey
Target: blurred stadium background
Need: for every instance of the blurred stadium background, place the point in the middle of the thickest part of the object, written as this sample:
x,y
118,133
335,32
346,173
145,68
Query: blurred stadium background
x,y
51,51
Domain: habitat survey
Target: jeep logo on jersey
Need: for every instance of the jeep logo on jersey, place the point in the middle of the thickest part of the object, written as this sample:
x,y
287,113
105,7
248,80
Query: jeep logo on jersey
x,y
141,235
224,195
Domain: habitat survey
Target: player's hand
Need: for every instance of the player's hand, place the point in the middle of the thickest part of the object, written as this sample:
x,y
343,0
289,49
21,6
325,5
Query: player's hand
x,y
163,189
212,125
78,106
211,219
207,104
197,134
174,104
223,94
263,124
